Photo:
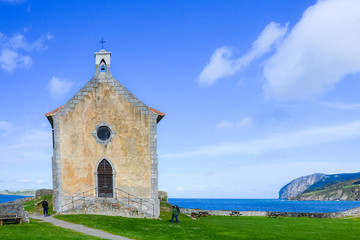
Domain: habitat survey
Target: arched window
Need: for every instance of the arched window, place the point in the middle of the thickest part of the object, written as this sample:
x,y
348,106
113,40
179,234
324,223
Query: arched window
x,y
105,179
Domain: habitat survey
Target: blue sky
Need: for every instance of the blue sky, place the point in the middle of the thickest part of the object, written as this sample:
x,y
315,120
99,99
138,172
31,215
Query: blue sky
x,y
256,93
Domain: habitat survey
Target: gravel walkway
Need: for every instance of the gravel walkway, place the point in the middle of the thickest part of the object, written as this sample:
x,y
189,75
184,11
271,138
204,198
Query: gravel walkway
x,y
79,228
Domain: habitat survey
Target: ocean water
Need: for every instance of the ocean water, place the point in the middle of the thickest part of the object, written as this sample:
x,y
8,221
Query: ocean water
x,y
9,198
275,205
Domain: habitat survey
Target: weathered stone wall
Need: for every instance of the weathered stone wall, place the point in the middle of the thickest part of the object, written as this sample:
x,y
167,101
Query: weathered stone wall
x,y
14,206
163,196
111,207
43,192
223,212
129,151
351,212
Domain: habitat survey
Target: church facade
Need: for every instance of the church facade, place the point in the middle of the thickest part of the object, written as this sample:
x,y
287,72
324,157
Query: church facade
x,y
105,146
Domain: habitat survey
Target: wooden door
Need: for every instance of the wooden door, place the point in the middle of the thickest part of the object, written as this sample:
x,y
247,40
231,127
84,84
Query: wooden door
x,y
105,179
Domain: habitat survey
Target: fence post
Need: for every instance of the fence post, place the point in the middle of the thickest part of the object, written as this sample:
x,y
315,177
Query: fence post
x,y
72,198
140,204
84,199
153,210
128,199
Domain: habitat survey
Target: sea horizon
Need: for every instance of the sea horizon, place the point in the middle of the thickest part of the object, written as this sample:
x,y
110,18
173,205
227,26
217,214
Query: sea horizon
x,y
253,204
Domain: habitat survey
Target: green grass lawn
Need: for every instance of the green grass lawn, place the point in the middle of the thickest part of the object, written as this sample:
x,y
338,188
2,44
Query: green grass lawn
x,y
212,227
36,230
222,227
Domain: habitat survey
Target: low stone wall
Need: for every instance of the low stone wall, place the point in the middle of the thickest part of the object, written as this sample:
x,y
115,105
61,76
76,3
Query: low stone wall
x,y
43,192
112,207
223,212
14,206
163,196
351,212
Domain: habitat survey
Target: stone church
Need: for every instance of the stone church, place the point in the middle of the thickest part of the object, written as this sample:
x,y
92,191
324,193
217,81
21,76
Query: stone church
x,y
105,149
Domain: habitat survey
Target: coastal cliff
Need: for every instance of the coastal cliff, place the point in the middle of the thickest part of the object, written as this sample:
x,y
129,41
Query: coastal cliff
x,y
299,185
323,187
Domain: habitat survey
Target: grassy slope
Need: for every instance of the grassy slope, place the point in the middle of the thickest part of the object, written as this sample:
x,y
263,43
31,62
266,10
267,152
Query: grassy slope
x,y
222,227
348,188
36,230
31,208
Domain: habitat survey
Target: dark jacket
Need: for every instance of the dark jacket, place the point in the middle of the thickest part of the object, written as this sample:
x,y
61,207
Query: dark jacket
x,y
45,204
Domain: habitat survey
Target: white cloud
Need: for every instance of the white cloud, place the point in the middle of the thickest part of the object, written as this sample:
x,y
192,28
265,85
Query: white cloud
x,y
224,124
59,87
245,122
23,180
222,64
39,181
14,51
354,106
5,125
10,60
312,136
321,49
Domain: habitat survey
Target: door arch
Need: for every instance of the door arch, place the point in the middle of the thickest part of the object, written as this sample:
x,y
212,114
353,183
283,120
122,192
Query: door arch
x,y
105,179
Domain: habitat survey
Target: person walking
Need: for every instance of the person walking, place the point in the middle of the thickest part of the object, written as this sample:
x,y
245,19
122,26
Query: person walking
x,y
45,206
175,214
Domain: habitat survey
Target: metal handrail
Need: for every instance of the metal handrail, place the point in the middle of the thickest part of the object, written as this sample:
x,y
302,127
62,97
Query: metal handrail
x,y
133,196
82,197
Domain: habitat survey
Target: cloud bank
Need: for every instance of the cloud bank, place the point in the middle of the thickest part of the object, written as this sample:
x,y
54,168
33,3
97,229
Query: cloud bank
x,y
312,136
322,48
223,65
14,51
59,87
319,51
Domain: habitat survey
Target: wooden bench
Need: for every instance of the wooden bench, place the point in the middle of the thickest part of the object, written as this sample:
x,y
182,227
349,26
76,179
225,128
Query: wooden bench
x,y
199,214
276,214
10,216
235,213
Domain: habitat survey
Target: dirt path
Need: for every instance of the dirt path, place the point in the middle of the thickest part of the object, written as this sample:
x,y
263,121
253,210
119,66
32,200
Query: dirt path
x,y
79,228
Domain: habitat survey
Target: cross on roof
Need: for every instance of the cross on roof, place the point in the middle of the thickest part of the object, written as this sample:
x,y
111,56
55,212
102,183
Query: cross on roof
x,y
102,43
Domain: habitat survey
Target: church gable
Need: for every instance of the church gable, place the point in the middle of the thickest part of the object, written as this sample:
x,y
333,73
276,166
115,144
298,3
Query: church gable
x,y
117,87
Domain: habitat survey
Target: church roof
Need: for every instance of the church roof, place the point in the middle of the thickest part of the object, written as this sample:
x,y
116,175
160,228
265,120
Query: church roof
x,y
160,114
52,113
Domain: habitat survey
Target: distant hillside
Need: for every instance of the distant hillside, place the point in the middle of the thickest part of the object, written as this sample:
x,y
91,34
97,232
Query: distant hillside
x,y
334,178
27,192
317,182
348,190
